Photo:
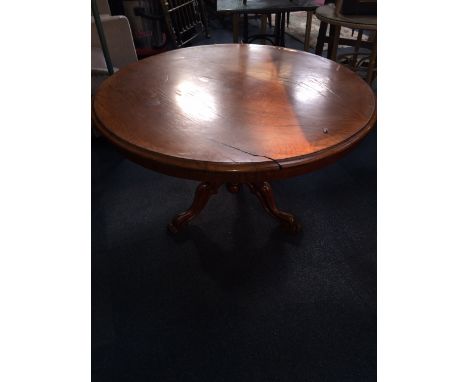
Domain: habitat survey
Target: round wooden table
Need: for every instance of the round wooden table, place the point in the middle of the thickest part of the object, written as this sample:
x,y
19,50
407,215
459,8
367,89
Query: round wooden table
x,y
234,114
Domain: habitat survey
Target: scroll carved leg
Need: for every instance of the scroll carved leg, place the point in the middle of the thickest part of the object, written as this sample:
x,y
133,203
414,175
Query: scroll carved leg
x,y
264,193
203,193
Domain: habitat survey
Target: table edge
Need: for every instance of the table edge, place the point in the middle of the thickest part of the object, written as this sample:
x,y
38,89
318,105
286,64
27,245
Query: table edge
x,y
240,171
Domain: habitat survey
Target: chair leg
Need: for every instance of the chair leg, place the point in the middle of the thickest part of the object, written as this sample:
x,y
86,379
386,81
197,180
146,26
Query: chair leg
x,y
204,18
331,36
321,38
356,49
372,61
307,31
333,42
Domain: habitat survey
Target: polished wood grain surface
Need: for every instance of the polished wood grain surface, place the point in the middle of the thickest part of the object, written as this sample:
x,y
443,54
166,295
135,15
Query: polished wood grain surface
x,y
234,113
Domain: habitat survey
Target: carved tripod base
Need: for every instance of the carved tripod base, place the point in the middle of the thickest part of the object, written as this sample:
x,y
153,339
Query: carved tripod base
x,y
264,193
262,190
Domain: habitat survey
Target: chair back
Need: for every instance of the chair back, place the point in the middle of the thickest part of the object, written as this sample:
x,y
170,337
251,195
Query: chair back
x,y
185,20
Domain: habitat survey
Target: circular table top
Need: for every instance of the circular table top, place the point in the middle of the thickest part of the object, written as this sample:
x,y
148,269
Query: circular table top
x,y
245,111
327,14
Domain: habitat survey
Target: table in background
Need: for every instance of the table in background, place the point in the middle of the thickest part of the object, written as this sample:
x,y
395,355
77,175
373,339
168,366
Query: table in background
x,y
234,114
264,7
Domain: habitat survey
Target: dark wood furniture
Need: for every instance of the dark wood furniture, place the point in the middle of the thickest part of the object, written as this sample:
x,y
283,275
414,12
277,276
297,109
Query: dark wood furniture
x,y
265,7
234,114
185,20
356,7
328,16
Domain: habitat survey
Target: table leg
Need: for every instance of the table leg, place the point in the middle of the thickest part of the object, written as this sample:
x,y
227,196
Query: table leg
x,y
203,193
245,37
261,189
235,28
277,29
264,193
263,25
283,28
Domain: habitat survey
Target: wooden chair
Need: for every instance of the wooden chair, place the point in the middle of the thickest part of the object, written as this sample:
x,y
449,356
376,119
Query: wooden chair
x,y
185,20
